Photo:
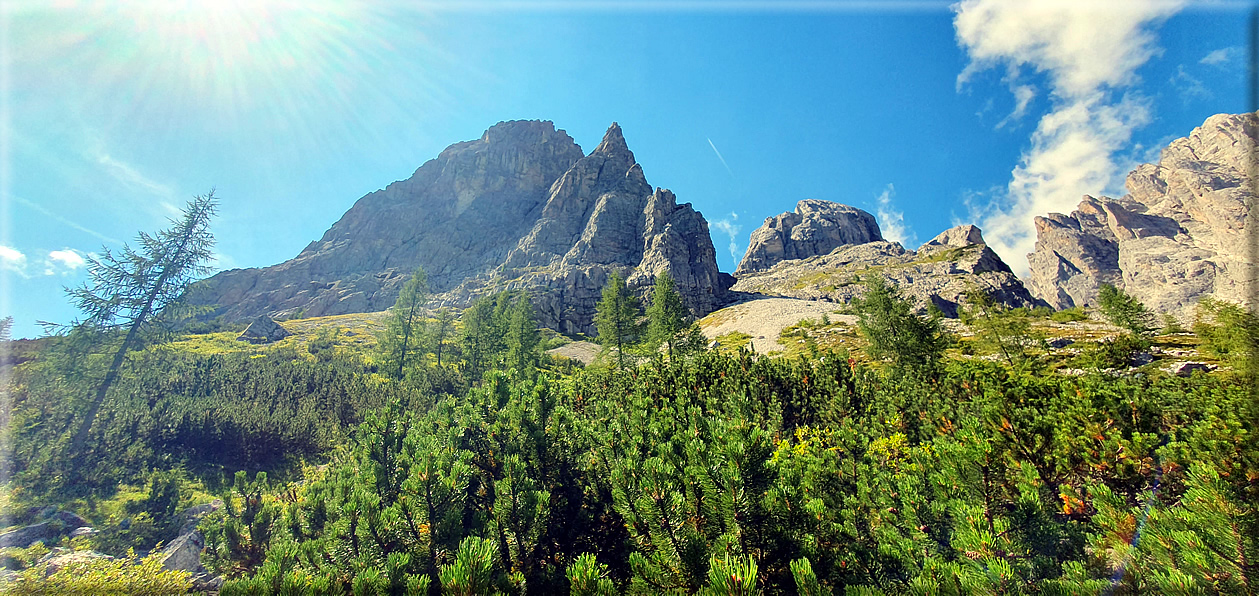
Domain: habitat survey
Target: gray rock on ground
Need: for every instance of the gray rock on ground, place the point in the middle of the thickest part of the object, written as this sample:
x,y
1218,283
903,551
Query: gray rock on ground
x,y
184,553
60,558
263,330
55,525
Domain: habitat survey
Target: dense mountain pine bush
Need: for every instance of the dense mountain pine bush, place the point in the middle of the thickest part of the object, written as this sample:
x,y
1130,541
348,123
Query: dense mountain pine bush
x,y
709,473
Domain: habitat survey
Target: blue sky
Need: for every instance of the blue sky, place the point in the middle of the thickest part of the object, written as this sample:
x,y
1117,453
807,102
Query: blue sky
x,y
927,114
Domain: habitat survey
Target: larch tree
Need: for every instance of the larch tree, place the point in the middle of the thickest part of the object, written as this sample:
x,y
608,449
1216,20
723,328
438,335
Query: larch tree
x,y
442,330
522,336
668,320
404,333
887,322
617,317
140,289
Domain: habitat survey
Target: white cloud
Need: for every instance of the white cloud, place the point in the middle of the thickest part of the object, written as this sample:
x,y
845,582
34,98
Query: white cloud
x,y
1222,55
1190,87
12,259
891,221
64,262
1023,96
731,228
129,176
1089,52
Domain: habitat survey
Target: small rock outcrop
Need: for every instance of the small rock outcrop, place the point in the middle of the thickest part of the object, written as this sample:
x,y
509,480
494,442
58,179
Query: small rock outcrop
x,y
1179,234
53,526
941,272
814,228
520,208
263,330
963,235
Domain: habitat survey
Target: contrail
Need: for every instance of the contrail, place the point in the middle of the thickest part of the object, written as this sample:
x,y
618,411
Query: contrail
x,y
723,160
66,221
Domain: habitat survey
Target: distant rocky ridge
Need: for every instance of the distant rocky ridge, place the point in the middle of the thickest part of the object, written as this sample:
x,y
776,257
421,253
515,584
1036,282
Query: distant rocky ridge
x,y
814,228
1181,232
940,272
519,208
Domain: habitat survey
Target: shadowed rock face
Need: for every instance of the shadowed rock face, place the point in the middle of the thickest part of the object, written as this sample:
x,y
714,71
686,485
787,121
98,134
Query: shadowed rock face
x,y
601,215
519,208
1178,235
815,228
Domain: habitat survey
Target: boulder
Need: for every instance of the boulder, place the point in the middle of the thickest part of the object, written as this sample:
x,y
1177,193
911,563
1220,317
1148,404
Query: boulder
x,y
1185,369
82,531
184,553
25,536
192,515
263,330
61,558
814,228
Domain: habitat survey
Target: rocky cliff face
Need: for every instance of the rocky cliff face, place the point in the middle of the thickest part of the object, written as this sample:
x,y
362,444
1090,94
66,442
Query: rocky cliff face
x,y
940,272
815,228
1179,234
520,208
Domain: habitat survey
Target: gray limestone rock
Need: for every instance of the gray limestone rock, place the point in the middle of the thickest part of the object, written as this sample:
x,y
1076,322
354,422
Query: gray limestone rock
x,y
963,235
61,557
1179,234
814,228
520,208
939,274
456,216
184,553
28,535
263,330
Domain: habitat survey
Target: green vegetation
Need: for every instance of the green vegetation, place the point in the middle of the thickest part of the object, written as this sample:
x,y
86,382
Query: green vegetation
x,y
1124,311
893,331
99,575
1228,332
141,292
1005,331
480,467
669,323
405,331
1069,315
617,318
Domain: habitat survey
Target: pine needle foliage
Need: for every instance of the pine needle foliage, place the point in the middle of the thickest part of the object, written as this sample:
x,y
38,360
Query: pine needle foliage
x,y
1125,311
404,338
617,318
892,330
138,290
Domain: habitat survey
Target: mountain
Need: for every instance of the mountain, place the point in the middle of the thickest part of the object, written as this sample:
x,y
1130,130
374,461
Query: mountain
x,y
814,228
1179,234
824,250
519,208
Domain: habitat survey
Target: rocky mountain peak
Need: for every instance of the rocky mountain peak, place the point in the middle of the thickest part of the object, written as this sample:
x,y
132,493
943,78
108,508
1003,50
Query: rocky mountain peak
x,y
1179,234
963,235
814,228
613,143
522,132
519,208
